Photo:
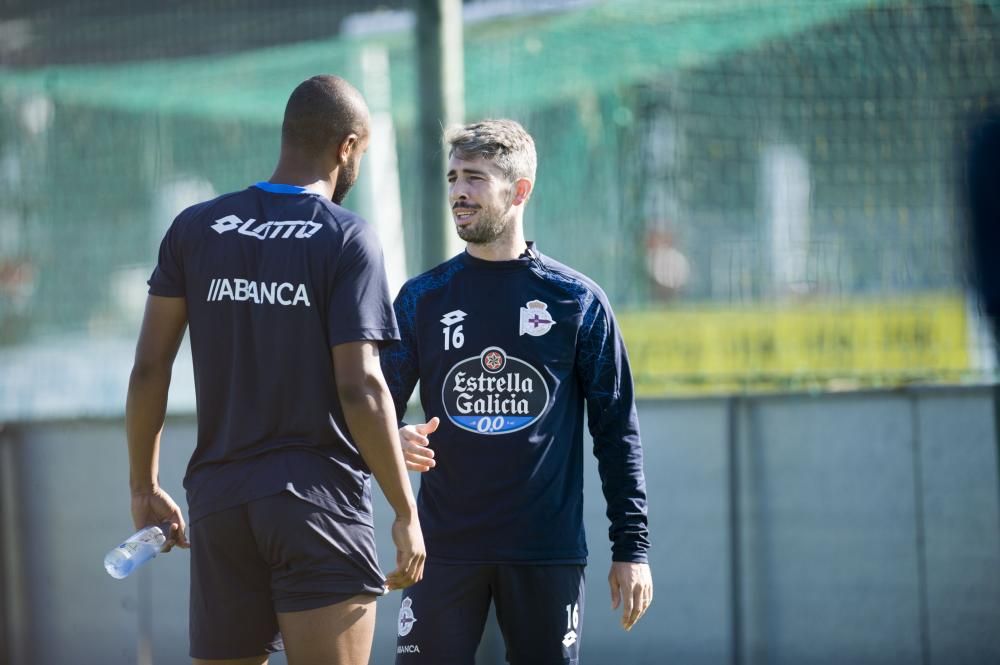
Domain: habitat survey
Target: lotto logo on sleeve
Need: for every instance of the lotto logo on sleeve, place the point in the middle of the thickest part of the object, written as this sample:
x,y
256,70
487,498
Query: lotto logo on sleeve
x,y
494,393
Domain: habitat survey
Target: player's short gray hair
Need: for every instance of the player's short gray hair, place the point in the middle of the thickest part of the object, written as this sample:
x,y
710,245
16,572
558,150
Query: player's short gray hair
x,y
503,142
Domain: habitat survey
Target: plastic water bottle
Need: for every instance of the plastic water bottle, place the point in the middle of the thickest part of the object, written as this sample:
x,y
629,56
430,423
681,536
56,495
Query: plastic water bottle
x,y
140,547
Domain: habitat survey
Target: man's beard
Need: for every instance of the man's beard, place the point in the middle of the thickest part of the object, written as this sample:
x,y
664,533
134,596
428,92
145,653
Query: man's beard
x,y
345,180
491,225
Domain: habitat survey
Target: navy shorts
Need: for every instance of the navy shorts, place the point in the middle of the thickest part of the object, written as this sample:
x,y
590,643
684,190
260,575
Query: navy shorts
x,y
539,609
271,555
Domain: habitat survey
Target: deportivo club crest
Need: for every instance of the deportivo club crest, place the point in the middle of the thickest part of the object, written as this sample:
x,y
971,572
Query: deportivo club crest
x,y
406,618
535,319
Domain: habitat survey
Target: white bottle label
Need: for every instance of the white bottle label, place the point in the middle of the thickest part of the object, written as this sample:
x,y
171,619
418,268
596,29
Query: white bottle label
x,y
130,547
150,535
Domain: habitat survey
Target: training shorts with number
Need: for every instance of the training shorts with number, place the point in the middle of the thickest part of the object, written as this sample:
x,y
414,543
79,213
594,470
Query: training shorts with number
x,y
539,609
274,554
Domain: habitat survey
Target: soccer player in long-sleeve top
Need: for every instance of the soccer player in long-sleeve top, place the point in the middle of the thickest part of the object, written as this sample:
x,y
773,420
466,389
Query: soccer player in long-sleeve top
x,y
508,346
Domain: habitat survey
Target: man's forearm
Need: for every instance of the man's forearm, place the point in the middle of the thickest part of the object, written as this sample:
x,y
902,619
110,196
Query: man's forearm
x,y
371,418
619,465
145,409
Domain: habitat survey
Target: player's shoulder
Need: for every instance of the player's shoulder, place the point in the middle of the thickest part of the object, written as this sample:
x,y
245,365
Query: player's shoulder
x,y
348,228
343,219
243,205
578,285
432,279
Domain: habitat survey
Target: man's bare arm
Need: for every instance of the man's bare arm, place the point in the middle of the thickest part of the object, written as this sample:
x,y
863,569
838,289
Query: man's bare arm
x,y
370,416
159,338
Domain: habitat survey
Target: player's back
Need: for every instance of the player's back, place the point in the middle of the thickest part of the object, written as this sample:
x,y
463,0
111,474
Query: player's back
x,y
267,274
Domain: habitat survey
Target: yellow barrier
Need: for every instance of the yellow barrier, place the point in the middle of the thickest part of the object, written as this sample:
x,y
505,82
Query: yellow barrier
x,y
707,349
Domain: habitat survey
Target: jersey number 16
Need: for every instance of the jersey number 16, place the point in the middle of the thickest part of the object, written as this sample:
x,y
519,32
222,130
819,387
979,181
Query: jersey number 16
x,y
453,338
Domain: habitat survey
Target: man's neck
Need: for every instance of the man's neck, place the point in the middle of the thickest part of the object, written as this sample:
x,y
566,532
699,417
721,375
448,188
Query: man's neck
x,y
289,173
504,248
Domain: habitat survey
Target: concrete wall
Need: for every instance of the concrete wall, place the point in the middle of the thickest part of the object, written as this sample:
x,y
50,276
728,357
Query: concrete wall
x,y
868,531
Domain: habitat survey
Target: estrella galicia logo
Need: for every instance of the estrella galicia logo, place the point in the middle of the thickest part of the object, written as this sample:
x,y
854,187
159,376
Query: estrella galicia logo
x,y
494,393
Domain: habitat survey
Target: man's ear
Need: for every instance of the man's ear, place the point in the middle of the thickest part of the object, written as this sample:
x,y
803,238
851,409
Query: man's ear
x,y
522,191
346,148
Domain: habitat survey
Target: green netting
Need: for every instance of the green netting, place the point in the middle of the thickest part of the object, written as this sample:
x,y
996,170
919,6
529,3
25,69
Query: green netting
x,y
733,162
510,63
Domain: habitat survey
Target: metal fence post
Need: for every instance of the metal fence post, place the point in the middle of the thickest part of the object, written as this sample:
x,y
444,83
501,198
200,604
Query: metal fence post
x,y
441,93
733,413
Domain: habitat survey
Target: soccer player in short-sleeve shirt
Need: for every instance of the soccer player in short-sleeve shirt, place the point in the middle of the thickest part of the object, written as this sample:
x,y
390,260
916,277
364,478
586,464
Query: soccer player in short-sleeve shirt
x,y
509,346
285,294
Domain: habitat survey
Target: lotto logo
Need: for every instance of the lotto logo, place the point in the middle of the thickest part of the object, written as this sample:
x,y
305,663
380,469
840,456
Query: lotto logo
x,y
267,230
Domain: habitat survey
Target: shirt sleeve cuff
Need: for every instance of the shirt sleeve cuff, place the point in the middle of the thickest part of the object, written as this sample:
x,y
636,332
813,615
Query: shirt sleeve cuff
x,y
382,335
165,291
635,557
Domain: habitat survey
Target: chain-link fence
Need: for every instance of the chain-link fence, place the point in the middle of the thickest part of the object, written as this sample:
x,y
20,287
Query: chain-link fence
x,y
767,189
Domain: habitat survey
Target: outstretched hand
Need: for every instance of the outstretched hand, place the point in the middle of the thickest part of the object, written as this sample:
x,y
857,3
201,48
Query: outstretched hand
x,y
416,445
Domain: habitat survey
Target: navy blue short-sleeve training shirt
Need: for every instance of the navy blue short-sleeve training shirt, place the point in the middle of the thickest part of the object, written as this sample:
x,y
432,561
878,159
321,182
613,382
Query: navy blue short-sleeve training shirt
x,y
274,276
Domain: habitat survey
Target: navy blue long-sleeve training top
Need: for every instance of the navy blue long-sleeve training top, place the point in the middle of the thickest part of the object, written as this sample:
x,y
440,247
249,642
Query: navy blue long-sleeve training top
x,y
507,353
